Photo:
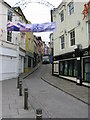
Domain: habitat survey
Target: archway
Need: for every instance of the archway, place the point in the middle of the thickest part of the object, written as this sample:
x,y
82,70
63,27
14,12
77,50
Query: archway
x,y
23,3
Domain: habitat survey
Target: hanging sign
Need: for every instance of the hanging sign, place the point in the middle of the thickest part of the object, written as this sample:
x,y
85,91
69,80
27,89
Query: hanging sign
x,y
85,11
44,27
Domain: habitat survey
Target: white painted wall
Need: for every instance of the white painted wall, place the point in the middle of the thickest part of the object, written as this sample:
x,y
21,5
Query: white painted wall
x,y
9,51
69,23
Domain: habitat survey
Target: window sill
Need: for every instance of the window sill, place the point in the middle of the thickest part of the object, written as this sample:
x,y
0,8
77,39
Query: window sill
x,y
62,49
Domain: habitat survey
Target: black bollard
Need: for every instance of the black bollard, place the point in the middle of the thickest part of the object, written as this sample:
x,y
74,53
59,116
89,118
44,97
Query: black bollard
x,y
18,82
20,88
39,114
26,98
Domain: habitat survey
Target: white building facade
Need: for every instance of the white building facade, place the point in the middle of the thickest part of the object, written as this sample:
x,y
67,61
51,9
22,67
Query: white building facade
x,y
12,44
71,41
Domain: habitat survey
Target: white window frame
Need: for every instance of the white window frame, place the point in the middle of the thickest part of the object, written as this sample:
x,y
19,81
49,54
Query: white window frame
x,y
62,44
72,37
71,11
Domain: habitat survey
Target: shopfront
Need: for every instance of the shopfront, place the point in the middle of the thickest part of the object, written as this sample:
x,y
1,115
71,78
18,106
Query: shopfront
x,y
68,67
86,69
75,65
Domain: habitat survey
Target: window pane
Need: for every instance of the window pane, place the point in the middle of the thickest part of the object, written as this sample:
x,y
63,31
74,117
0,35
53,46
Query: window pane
x,y
9,36
62,16
71,42
89,30
74,41
62,42
71,8
9,15
73,33
72,37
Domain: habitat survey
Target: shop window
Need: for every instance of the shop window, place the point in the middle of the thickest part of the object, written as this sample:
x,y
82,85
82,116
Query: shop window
x,y
72,37
61,68
66,68
71,8
70,68
86,67
75,68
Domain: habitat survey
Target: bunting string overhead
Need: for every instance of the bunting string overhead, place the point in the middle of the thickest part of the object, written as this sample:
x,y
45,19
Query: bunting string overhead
x,y
44,27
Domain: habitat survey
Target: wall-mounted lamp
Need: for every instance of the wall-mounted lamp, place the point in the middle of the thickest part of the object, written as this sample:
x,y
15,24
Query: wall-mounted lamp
x,y
78,22
79,46
65,31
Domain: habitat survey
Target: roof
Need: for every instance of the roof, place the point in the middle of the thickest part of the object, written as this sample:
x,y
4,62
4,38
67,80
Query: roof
x,y
16,10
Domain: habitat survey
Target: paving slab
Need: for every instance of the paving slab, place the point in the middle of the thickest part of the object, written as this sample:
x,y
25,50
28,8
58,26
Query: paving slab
x,y
30,114
0,99
12,103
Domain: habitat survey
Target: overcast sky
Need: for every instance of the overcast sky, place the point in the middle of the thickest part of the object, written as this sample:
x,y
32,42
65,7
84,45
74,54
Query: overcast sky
x,y
37,13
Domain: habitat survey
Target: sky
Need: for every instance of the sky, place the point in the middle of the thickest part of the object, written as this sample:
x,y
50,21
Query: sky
x,y
38,13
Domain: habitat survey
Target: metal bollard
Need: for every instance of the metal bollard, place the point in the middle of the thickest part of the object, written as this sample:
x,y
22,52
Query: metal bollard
x,y
26,98
18,82
39,114
20,88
